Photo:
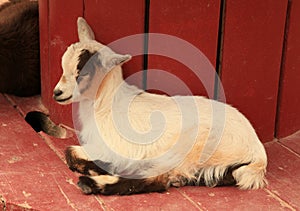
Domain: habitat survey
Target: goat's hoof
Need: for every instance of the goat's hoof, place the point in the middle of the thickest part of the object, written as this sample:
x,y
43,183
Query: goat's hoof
x,y
85,189
87,185
72,168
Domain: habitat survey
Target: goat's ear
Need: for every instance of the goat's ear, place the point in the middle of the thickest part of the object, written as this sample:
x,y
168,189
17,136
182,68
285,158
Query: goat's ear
x,y
85,32
117,59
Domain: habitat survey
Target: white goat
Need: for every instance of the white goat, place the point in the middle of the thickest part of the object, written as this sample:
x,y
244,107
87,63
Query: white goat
x,y
134,141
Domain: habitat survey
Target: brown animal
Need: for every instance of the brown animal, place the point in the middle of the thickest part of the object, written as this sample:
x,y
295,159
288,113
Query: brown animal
x,y
19,48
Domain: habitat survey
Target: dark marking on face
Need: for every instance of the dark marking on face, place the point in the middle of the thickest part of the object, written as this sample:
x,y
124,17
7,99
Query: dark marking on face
x,y
84,58
84,66
63,79
87,63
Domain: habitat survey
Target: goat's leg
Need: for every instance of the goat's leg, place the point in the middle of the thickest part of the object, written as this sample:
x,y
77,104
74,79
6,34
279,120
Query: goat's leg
x,y
78,161
109,185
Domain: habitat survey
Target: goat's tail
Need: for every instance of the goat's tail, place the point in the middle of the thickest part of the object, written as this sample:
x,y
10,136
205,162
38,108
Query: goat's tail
x,y
251,176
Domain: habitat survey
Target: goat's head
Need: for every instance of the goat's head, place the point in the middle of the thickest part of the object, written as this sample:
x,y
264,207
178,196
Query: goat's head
x,y
85,64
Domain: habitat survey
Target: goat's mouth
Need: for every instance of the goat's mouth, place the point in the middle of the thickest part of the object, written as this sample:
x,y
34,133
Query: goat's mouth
x,y
64,100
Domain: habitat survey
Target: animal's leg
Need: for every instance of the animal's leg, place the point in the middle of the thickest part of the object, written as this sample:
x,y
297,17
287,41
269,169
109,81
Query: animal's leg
x,y
78,161
109,185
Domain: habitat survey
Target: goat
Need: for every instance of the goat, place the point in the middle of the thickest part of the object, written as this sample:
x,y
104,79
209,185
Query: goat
x,y
119,155
19,48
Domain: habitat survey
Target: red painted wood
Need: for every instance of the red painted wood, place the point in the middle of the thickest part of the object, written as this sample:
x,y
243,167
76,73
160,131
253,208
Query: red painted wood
x,y
31,174
27,104
113,20
196,22
289,100
171,200
284,173
44,48
30,166
253,38
292,142
231,198
62,31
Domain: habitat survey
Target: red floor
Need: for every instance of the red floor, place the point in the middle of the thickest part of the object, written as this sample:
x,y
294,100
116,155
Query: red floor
x,y
34,176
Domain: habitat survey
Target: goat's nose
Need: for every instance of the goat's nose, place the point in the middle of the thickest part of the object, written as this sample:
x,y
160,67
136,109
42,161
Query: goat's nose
x,y
57,92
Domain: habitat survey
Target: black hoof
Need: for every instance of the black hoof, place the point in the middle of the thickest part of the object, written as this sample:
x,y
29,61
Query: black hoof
x,y
88,185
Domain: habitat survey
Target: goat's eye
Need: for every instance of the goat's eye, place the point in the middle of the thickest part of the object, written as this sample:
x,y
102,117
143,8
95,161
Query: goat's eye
x,y
81,75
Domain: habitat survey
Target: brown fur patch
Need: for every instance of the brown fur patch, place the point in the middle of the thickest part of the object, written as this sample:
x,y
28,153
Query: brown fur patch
x,y
63,79
19,48
82,166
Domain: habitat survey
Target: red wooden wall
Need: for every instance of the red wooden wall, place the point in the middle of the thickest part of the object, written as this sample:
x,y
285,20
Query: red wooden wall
x,y
196,22
243,40
251,58
112,21
288,120
58,30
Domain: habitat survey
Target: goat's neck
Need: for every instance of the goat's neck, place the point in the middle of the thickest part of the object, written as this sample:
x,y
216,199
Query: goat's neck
x,y
113,91
104,95
112,88
109,86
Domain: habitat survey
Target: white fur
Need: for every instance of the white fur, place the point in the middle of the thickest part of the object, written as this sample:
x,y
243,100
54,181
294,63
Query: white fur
x,y
119,116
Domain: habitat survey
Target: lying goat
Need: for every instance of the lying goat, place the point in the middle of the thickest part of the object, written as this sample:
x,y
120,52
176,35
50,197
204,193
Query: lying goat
x,y
185,146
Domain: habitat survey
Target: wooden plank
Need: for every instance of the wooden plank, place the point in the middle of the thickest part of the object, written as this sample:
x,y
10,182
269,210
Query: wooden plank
x,y
289,100
283,173
26,172
44,48
31,174
232,198
111,21
170,200
62,32
252,47
27,104
292,142
197,23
